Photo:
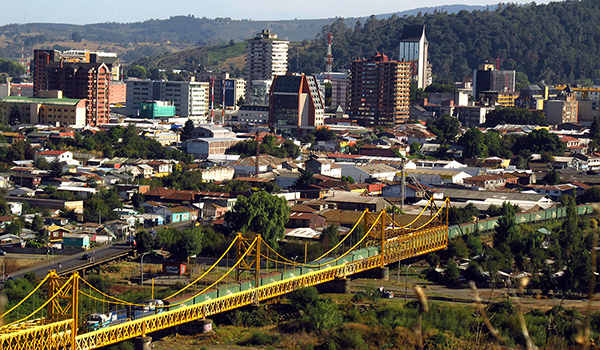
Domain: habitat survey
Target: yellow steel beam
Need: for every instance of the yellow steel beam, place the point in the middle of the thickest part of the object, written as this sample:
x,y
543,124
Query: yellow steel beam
x,y
60,335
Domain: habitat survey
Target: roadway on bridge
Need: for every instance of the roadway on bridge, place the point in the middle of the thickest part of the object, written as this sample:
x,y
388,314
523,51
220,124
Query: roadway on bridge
x,y
72,261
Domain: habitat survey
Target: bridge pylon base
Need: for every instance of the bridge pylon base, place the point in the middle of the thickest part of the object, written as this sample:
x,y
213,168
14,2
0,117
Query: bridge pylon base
x,y
337,286
378,273
197,327
142,343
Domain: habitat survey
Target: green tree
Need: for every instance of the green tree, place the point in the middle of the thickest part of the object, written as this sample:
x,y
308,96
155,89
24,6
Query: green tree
x,y
457,248
306,178
263,214
166,237
325,134
452,274
507,235
15,115
446,128
538,141
440,88
330,237
55,168
187,244
474,142
137,72
137,199
291,150
463,215
76,37
417,94
552,178
143,241
186,132
269,140
415,148
514,115
37,223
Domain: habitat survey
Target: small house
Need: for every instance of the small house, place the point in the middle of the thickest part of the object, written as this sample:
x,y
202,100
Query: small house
x,y
74,240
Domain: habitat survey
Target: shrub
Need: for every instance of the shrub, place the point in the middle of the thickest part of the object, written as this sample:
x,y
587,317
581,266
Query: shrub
x,y
259,338
324,315
452,274
304,298
347,339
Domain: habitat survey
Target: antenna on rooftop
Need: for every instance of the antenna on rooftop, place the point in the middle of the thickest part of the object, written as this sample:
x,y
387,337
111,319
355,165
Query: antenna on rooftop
x,y
329,57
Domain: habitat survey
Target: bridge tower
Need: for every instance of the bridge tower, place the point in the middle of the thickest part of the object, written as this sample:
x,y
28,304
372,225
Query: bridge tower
x,y
64,304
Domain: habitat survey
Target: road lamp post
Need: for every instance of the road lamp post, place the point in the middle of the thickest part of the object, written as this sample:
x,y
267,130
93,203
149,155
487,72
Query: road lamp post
x,y
142,267
406,283
3,271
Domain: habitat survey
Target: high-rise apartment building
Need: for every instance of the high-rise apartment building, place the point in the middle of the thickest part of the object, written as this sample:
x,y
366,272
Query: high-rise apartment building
x,y
379,91
79,74
190,98
414,48
89,81
295,104
266,57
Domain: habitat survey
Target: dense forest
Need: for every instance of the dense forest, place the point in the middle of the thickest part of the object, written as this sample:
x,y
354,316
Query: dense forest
x,y
554,42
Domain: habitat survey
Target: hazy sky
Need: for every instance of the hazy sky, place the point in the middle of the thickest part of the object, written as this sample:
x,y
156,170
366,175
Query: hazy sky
x,y
82,12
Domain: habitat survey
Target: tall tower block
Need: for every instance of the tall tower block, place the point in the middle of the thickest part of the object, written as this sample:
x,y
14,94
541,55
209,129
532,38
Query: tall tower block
x,y
414,48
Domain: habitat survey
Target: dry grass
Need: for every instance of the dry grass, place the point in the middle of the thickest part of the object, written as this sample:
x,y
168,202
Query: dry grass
x,y
15,264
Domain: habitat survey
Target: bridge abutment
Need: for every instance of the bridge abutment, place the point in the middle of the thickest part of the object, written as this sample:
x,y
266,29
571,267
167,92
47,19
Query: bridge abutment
x,y
338,286
142,343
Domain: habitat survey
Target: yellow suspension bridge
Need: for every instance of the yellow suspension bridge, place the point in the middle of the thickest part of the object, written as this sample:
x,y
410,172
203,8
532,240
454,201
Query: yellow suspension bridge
x,y
375,241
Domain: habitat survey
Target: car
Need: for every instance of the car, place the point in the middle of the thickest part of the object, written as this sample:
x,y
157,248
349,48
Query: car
x,y
2,253
87,257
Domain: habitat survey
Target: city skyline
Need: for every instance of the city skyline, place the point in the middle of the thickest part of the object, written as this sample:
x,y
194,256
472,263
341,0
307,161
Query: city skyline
x,y
71,12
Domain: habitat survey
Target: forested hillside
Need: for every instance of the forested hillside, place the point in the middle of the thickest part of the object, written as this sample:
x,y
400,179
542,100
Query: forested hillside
x,y
157,36
555,42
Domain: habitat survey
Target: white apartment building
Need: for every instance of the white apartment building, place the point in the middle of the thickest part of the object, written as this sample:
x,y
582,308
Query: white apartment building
x,y
266,56
190,98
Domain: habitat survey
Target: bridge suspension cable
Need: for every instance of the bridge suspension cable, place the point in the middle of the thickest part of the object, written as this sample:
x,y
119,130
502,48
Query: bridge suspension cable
x,y
51,299
27,297
365,235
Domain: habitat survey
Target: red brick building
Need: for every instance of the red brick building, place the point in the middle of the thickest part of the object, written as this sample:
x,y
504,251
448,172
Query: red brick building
x,y
77,80
379,91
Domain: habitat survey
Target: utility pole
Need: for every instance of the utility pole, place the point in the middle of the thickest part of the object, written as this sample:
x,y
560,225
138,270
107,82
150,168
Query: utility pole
x,y
403,184
256,169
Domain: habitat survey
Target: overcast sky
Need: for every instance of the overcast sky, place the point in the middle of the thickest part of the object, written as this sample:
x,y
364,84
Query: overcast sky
x,y
83,12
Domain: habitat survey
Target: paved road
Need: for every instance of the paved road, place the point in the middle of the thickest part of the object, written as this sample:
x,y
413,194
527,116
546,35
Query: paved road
x,y
70,261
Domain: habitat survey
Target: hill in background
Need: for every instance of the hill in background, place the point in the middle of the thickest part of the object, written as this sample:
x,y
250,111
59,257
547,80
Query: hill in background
x,y
554,42
154,37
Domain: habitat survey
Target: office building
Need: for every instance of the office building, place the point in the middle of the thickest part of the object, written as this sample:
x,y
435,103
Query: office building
x,y
379,91
563,109
295,104
157,109
189,98
266,57
49,109
488,78
414,49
